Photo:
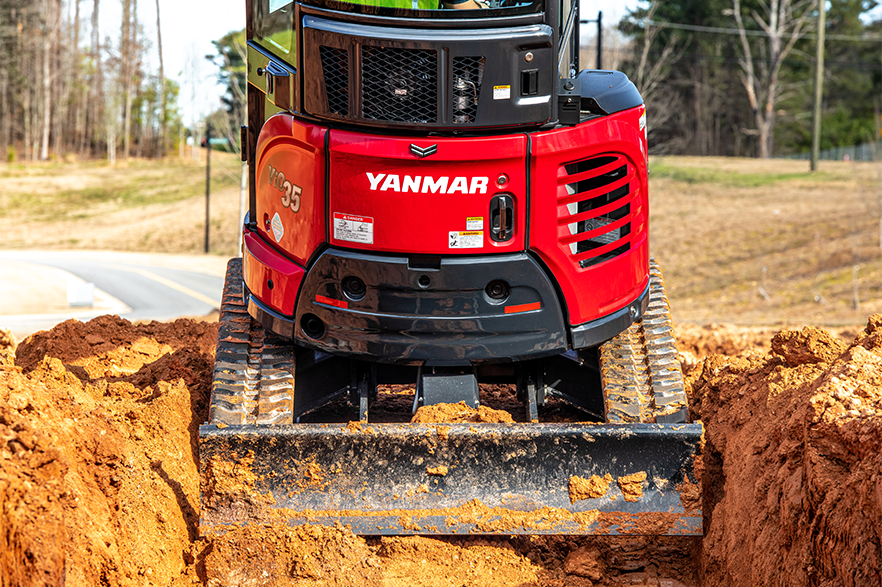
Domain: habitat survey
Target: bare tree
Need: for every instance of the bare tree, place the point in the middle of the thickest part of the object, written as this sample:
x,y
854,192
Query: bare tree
x,y
96,91
128,37
162,111
111,110
52,25
783,22
5,121
651,72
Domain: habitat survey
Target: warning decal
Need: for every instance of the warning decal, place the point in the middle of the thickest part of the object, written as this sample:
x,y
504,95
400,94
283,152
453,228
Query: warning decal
x,y
501,92
475,223
465,239
356,229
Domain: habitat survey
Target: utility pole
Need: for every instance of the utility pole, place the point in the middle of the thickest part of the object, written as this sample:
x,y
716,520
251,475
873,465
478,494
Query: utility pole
x,y
599,21
876,158
207,179
819,85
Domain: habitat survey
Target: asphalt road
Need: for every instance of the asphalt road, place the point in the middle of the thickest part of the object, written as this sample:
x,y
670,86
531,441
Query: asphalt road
x,y
134,286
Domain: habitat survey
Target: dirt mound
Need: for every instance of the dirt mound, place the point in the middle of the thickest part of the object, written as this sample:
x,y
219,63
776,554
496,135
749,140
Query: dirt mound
x,y
99,479
731,340
98,432
112,343
793,462
721,339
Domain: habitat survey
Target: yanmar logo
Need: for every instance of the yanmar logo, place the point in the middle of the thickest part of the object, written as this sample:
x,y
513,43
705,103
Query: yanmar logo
x,y
425,184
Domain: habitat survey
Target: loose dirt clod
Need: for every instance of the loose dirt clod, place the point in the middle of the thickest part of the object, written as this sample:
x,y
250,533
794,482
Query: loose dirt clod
x,y
592,488
99,482
632,485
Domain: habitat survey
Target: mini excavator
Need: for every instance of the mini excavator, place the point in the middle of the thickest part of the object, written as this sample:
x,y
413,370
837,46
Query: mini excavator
x,y
442,200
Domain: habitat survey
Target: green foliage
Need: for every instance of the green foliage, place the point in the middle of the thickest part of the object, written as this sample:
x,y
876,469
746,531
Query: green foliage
x,y
233,73
10,154
704,110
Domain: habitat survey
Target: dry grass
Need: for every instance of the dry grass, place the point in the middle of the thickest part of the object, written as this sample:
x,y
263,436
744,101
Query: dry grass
x,y
727,230
716,224
152,206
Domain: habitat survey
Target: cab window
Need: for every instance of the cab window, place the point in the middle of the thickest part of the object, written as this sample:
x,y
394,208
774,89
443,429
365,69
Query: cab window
x,y
438,8
274,27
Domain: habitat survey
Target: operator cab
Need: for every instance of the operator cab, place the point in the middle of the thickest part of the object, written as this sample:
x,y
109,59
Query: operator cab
x,y
419,64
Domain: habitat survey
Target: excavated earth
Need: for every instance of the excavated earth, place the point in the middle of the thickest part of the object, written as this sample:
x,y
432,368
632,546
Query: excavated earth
x,y
99,476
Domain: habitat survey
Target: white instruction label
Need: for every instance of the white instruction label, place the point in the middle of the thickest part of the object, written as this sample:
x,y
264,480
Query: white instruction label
x,y
465,239
475,223
501,92
356,229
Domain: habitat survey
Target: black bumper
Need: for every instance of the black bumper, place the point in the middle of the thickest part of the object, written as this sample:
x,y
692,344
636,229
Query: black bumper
x,y
437,314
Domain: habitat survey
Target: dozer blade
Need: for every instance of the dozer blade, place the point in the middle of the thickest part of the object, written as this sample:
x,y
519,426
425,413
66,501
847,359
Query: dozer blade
x,y
454,478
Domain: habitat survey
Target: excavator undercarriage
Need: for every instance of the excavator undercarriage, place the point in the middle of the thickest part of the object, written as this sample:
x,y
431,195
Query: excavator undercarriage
x,y
294,438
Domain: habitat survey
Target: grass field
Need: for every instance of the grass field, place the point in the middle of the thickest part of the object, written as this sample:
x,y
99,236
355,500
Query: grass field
x,y
766,242
139,205
740,240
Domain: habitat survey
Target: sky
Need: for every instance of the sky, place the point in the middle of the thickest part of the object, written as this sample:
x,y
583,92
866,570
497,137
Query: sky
x,y
189,27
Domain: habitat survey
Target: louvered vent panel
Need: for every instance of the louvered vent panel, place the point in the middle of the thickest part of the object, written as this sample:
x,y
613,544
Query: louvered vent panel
x,y
595,207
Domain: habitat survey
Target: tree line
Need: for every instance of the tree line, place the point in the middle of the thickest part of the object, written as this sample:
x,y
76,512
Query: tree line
x,y
735,77
65,90
719,77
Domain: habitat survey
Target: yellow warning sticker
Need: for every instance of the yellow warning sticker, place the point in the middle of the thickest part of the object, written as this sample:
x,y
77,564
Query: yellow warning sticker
x,y
501,92
475,223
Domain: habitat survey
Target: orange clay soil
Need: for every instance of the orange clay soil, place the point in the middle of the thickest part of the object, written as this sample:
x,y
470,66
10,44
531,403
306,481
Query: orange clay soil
x,y
99,480
461,413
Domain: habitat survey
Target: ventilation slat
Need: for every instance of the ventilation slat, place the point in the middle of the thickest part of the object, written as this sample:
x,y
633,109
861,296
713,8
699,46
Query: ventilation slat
x,y
605,257
592,164
574,237
582,172
613,246
608,193
579,212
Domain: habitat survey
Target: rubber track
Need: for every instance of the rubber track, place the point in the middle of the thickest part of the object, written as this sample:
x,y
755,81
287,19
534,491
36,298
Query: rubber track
x,y
253,371
640,370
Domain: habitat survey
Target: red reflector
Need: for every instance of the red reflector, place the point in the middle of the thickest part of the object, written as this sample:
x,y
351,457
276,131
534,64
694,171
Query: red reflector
x,y
329,302
523,308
